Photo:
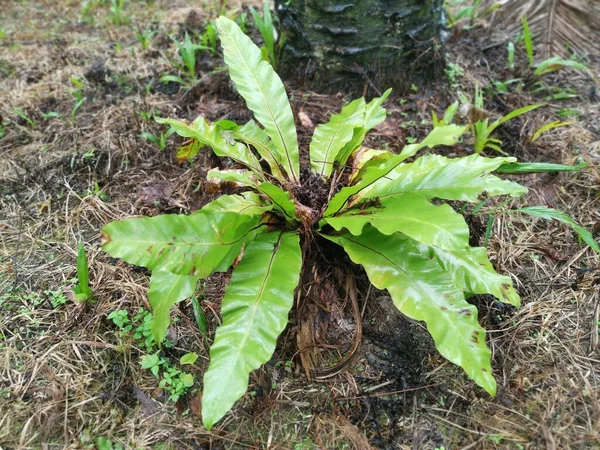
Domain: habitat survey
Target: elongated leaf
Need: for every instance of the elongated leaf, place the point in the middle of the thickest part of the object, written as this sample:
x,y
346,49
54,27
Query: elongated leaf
x,y
557,63
373,173
374,115
82,290
435,176
528,40
246,203
511,115
472,272
281,199
263,91
196,245
442,135
329,138
412,215
167,289
366,157
539,168
255,311
549,213
547,127
253,135
422,290
241,176
217,138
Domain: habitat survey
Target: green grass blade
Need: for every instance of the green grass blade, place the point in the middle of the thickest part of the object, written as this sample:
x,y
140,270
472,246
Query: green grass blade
x,y
528,40
552,214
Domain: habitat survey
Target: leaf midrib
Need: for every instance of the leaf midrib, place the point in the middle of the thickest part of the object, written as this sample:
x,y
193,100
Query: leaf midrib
x,y
268,107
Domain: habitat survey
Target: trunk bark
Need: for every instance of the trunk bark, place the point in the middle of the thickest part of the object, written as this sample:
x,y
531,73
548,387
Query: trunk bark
x,y
361,45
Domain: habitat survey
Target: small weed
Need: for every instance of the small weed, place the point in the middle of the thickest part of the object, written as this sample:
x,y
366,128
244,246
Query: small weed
x,y
82,290
160,140
174,381
470,12
481,127
453,72
186,63
144,37
57,297
23,115
551,64
77,94
264,24
209,38
120,318
116,15
103,443
96,191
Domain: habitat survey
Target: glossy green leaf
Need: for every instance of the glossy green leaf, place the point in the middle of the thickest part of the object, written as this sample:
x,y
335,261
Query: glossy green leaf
x,y
239,176
197,245
374,172
167,289
557,63
422,290
472,272
374,115
281,199
219,139
251,134
246,203
188,359
255,312
549,213
538,168
435,176
410,214
265,95
444,135
329,138
441,135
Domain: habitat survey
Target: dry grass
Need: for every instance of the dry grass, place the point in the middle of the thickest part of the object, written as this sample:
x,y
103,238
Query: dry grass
x,y
67,376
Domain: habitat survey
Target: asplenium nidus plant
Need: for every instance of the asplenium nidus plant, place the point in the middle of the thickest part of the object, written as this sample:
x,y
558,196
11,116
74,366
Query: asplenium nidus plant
x,y
386,213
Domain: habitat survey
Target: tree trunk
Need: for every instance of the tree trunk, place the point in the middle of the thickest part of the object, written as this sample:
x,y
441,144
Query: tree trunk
x,y
361,45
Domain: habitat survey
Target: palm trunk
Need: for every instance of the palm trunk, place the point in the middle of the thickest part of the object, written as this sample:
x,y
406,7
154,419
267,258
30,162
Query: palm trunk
x,y
361,45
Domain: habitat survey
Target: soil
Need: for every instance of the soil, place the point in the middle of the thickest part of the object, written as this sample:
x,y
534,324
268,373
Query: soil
x,y
70,378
